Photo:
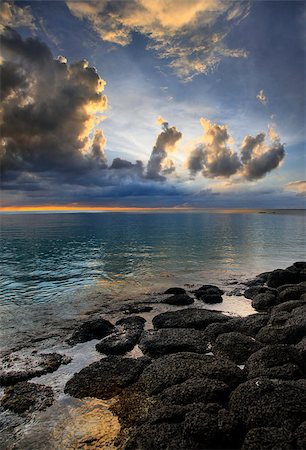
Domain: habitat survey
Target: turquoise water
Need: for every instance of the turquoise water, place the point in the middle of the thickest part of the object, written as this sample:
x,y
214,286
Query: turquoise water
x,y
47,259
46,254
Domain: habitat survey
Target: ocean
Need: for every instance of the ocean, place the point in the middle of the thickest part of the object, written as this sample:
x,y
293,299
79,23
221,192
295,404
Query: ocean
x,y
55,267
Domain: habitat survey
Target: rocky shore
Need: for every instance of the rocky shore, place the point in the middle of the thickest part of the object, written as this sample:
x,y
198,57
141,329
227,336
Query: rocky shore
x,y
198,378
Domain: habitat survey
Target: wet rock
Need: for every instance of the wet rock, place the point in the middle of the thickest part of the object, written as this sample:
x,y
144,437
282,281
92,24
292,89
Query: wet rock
x,y
291,293
92,329
279,318
288,306
261,402
236,346
188,318
298,317
279,277
264,301
106,378
27,397
159,436
126,336
249,326
211,298
268,438
135,309
155,343
179,300
202,426
18,367
277,362
300,437
258,281
299,266
211,427
193,390
175,291
209,294
272,334
301,347
169,370
252,292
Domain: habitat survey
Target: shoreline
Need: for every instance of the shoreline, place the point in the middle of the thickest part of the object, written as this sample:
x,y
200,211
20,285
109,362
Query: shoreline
x,y
187,379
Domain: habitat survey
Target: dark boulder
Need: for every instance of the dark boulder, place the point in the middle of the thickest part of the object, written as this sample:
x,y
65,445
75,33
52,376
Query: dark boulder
x,y
194,390
92,329
268,438
209,294
299,266
277,362
188,318
126,336
106,378
279,277
291,293
286,334
158,436
27,397
155,343
179,300
208,288
300,437
175,291
169,370
249,325
261,402
211,299
236,346
255,290
301,347
264,301
287,306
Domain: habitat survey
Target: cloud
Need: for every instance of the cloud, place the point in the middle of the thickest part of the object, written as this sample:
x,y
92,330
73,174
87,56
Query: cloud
x,y
297,186
215,156
261,97
189,33
49,109
260,157
159,164
15,16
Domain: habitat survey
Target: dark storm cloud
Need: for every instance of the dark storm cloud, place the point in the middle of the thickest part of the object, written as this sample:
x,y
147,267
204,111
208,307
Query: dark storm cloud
x,y
121,164
165,142
214,157
48,109
260,158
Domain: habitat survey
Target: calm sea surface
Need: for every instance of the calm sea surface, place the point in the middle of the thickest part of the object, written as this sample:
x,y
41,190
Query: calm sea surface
x,y
53,260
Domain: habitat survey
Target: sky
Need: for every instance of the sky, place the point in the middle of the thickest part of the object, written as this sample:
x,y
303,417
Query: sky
x,y
153,103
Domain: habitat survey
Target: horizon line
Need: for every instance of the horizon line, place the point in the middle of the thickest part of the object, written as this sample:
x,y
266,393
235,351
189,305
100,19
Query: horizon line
x,y
84,208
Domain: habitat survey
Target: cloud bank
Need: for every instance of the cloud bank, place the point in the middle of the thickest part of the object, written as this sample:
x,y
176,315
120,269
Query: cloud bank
x,y
190,33
215,156
53,147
